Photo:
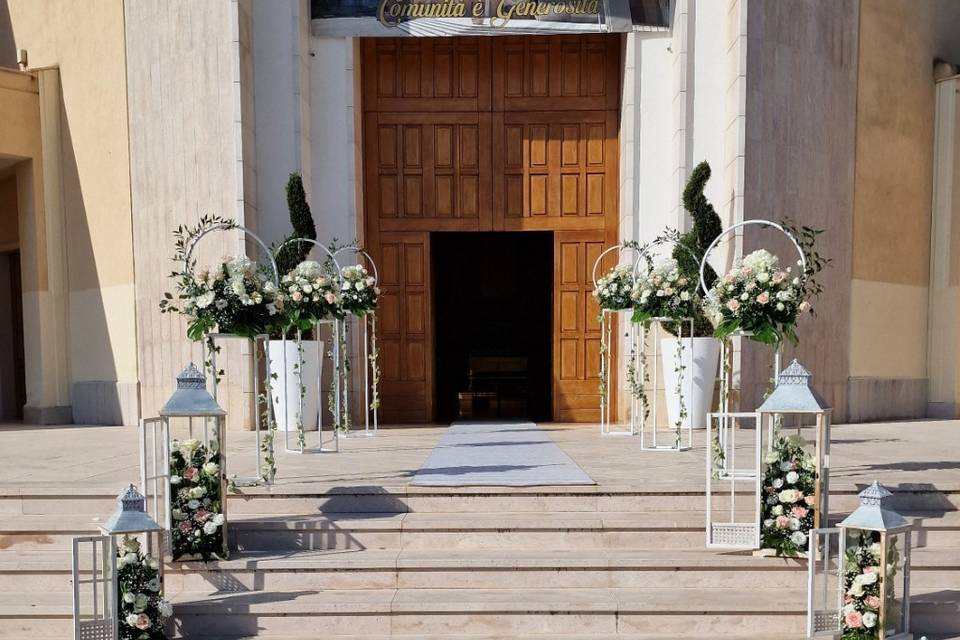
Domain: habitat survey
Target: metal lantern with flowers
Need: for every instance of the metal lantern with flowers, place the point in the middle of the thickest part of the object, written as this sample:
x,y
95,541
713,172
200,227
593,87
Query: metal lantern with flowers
x,y
125,577
795,479
859,574
182,469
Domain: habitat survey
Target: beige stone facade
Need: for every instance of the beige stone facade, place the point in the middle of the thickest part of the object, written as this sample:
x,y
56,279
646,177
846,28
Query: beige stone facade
x,y
127,119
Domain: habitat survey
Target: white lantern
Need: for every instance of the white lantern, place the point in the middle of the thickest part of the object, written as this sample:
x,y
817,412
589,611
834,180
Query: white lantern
x,y
794,464
131,565
183,469
860,585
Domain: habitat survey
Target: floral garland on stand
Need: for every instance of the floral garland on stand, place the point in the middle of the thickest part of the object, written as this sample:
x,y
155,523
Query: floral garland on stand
x,y
860,616
141,606
612,293
195,504
374,358
789,502
309,294
664,292
718,455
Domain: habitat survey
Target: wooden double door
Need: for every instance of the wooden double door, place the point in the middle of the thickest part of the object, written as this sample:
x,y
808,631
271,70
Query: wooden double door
x,y
489,134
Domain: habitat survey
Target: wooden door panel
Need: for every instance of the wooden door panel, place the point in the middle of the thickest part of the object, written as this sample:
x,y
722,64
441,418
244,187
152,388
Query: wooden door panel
x,y
433,74
404,330
557,73
577,331
428,171
554,170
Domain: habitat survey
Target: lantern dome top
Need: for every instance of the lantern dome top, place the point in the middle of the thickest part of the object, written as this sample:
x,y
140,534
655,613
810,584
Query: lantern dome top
x,y
131,515
794,394
872,515
191,397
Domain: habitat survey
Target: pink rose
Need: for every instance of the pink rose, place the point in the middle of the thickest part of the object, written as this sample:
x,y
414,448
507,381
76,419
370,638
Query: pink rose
x,y
783,522
728,279
799,512
746,270
870,569
201,515
853,619
143,622
733,305
189,474
764,297
296,296
809,500
185,526
330,298
872,601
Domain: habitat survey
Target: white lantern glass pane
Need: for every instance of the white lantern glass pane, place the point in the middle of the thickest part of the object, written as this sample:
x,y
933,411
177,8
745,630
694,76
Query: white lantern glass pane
x,y
894,585
95,600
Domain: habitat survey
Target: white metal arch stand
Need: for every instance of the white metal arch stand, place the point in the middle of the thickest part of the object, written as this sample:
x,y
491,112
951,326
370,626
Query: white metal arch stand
x,y
264,445
606,330
724,442
336,361
367,326
649,428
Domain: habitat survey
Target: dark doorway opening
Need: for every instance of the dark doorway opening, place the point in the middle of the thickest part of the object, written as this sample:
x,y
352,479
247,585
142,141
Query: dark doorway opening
x,y
492,302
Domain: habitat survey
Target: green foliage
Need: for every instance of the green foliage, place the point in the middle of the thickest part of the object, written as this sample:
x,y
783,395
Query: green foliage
x,y
693,244
301,219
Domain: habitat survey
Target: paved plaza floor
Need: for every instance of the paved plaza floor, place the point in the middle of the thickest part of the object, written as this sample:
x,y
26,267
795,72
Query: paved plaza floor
x,y
88,457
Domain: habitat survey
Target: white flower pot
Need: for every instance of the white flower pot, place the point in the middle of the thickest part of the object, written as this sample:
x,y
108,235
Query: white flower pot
x,y
286,400
700,361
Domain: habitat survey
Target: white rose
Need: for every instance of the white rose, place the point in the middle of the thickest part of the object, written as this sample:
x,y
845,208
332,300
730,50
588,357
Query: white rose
x,y
778,483
209,527
218,519
789,496
794,524
780,306
140,602
768,523
684,295
744,296
130,558
132,619
777,510
197,492
166,609
792,477
205,300
799,538
178,515
786,466
211,468
869,619
867,578
175,480
763,276
128,597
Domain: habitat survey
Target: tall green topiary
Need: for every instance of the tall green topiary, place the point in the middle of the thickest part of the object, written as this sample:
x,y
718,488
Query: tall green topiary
x,y
301,219
693,244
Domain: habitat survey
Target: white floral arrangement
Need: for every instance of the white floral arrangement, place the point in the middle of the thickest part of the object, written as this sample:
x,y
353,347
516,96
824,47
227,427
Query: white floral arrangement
x,y
860,616
196,500
234,296
789,498
663,292
142,608
359,292
308,294
613,289
759,298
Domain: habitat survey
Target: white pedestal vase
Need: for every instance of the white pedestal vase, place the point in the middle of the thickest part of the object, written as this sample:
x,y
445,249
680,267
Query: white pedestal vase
x,y
286,383
700,358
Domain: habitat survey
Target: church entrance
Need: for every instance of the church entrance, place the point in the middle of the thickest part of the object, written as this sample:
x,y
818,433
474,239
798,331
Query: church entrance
x,y
477,135
492,301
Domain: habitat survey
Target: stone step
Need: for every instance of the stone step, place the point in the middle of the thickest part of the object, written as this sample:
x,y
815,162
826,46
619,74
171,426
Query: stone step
x,y
38,571
434,614
292,498
523,530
